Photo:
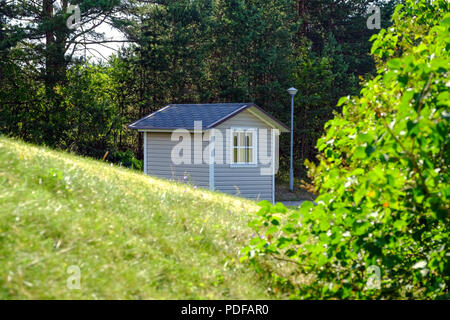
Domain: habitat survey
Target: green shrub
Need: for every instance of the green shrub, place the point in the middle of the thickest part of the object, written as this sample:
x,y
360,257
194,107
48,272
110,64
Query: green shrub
x,y
127,159
380,227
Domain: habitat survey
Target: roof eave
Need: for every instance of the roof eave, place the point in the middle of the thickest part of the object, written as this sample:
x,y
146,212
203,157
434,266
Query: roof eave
x,y
228,116
275,122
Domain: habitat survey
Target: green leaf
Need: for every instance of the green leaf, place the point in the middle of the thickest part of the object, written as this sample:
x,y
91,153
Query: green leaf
x,y
305,207
360,153
272,229
395,63
365,137
400,224
324,225
444,98
342,101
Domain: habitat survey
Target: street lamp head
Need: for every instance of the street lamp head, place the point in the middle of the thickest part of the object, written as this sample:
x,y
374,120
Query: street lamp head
x,y
292,91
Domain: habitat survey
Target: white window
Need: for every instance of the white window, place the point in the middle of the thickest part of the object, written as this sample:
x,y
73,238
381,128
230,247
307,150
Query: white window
x,y
243,146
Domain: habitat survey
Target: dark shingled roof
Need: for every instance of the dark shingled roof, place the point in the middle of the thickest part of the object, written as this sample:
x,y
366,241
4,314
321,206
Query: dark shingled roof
x,y
182,116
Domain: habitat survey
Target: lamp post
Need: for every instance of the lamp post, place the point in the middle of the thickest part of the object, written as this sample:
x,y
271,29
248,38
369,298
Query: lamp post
x,y
292,92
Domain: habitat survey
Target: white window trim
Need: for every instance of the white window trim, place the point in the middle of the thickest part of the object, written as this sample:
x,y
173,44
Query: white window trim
x,y
145,153
273,164
255,148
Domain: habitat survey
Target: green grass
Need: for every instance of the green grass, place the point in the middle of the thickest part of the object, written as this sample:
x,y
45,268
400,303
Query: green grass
x,y
132,236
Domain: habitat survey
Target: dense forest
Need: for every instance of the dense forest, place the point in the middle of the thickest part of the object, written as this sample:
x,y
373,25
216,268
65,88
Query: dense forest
x,y
53,92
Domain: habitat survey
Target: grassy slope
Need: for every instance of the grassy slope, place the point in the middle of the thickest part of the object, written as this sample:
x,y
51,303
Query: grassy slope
x,y
132,236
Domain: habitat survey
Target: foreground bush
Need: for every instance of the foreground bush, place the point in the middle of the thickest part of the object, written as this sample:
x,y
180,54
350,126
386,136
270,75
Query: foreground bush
x,y
380,226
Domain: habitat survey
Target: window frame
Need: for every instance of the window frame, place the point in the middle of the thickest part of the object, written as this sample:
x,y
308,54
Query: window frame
x,y
254,148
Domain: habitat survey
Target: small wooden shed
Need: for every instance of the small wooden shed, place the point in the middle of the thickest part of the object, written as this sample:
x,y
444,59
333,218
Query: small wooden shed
x,y
227,147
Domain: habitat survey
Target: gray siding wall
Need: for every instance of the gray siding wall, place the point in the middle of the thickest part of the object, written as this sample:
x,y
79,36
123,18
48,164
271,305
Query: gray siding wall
x,y
245,181
159,161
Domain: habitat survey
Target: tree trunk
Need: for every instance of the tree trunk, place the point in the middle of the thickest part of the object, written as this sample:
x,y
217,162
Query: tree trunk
x,y
302,17
55,42
49,43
